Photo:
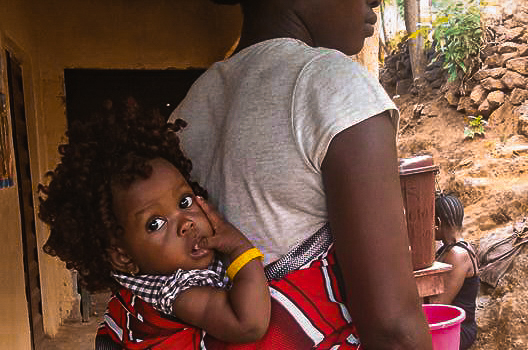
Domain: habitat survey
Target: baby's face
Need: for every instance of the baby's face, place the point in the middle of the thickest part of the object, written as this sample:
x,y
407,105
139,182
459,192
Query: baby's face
x,y
162,222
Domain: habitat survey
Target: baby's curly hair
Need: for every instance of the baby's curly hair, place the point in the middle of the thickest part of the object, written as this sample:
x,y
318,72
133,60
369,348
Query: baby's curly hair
x,y
113,148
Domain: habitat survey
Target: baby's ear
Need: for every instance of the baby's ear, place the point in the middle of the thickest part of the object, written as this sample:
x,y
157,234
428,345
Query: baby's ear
x,y
121,261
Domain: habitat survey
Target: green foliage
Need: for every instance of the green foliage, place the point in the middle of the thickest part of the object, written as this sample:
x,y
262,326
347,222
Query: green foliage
x,y
396,40
475,127
458,37
401,9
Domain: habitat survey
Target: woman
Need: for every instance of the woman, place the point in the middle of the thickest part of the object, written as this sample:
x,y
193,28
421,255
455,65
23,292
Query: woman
x,y
289,134
463,282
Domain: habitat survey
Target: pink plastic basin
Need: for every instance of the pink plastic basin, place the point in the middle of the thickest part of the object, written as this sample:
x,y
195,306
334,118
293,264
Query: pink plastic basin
x,y
444,325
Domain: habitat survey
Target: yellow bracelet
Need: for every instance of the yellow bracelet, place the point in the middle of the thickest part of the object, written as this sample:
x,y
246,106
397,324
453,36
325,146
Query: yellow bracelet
x,y
242,260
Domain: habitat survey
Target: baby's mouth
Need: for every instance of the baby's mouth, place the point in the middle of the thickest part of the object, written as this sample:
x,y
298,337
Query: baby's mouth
x,y
196,250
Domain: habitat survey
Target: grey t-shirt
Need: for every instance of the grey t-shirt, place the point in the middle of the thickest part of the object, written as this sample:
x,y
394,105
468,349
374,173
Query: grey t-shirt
x,y
260,124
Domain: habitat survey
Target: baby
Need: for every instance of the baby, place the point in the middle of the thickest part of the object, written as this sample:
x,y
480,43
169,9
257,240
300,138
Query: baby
x,y
123,211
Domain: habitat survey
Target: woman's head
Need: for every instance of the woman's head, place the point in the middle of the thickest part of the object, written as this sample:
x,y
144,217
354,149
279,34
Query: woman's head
x,y
336,24
114,149
449,213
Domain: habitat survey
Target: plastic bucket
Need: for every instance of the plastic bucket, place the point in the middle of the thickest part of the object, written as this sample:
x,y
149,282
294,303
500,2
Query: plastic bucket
x,y
417,180
444,325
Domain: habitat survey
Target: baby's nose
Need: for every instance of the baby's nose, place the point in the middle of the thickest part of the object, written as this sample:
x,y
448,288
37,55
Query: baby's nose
x,y
186,227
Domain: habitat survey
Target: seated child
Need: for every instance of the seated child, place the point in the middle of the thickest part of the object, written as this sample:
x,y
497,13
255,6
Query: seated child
x,y
462,283
124,212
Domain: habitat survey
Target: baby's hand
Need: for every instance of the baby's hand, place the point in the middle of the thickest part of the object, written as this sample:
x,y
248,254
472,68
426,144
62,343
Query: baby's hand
x,y
226,238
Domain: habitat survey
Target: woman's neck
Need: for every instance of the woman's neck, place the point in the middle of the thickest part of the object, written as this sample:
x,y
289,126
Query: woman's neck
x,y
268,22
452,236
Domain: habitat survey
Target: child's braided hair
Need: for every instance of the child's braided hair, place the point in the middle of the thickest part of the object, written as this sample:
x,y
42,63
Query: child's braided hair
x,y
449,209
112,148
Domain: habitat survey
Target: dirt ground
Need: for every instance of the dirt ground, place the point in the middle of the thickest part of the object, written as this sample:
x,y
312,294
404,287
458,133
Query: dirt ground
x,y
490,175
75,334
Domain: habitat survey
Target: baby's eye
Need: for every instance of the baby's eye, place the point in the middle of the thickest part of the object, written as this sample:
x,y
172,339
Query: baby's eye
x,y
186,202
156,224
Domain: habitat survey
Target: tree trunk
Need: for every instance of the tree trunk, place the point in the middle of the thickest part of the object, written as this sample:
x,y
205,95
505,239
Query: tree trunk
x,y
383,43
416,45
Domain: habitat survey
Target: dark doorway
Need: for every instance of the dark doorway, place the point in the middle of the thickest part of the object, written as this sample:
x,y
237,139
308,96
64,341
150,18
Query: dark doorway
x,y
25,197
87,89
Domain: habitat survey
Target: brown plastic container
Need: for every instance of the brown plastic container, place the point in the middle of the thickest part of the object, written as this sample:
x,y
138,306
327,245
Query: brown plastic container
x,y
417,179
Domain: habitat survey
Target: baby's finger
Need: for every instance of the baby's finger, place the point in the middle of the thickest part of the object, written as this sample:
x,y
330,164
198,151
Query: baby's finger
x,y
213,216
208,242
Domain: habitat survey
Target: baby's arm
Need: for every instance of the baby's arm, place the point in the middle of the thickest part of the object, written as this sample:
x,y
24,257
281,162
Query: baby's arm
x,y
241,314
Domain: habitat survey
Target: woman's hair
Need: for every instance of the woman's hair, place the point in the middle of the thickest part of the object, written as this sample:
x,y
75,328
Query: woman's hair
x,y
449,209
111,149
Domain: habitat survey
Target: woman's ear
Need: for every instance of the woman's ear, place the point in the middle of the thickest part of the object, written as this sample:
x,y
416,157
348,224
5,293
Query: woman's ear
x,y
121,261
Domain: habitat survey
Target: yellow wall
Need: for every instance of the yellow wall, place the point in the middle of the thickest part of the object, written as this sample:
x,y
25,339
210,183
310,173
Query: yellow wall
x,y
14,324
49,36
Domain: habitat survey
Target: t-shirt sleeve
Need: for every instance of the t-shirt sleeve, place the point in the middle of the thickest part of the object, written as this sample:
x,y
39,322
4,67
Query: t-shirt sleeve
x,y
331,94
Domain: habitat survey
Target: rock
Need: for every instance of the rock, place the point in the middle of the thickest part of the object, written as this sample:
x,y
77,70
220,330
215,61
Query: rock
x,y
403,69
523,50
518,96
429,111
480,182
523,110
451,86
434,74
390,62
521,17
522,123
487,224
524,38
516,145
519,65
513,33
513,80
402,86
420,83
466,105
388,77
492,84
437,83
508,47
494,60
478,95
451,97
403,74
487,51
484,109
495,99
520,190
509,56
503,120
417,110
517,150
493,72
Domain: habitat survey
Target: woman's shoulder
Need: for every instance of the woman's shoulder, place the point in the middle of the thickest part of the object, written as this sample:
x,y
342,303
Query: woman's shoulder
x,y
460,255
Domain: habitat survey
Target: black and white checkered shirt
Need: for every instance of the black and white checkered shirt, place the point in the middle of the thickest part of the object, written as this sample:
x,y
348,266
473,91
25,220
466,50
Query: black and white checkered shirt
x,y
162,290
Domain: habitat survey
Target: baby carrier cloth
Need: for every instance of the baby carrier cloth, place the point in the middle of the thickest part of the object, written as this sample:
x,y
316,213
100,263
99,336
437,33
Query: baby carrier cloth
x,y
307,310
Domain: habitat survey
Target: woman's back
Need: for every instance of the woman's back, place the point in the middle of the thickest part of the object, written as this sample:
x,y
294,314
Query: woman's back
x,y
259,135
